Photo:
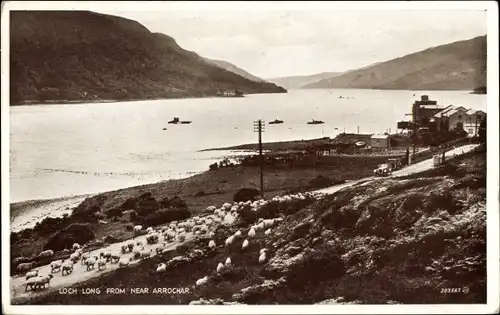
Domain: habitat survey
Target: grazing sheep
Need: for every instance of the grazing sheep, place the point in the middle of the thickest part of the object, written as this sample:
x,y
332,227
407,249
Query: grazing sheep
x,y
181,237
146,254
262,257
101,263
138,243
74,258
46,253
202,281
220,266
161,268
230,240
251,233
237,234
227,206
159,248
211,244
38,282
32,274
90,262
262,250
107,256
268,223
124,249
115,258
55,266
76,246
24,267
137,253
79,252
229,219
245,244
137,228
267,232
149,229
130,246
67,268
152,238
259,227
228,261
123,262
85,256
211,208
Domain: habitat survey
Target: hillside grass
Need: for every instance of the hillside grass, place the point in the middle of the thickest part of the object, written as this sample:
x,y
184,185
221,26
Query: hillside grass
x,y
397,240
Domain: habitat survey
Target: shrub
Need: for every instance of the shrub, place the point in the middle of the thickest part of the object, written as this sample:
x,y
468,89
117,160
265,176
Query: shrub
x,y
245,194
129,204
165,216
146,204
174,202
129,227
79,233
115,212
134,217
110,239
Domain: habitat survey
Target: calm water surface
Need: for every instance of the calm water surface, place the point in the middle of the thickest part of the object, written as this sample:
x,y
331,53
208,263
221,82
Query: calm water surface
x,y
61,150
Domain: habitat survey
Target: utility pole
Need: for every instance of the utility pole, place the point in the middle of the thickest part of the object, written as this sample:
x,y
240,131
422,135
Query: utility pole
x,y
414,135
258,126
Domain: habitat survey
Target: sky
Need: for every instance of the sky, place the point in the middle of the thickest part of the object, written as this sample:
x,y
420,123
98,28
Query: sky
x,y
276,43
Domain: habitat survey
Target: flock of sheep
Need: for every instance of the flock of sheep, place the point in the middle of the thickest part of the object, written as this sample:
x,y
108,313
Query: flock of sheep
x,y
199,226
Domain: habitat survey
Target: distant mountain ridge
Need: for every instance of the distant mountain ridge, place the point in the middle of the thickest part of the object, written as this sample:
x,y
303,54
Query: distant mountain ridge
x,y
459,65
233,68
85,56
296,82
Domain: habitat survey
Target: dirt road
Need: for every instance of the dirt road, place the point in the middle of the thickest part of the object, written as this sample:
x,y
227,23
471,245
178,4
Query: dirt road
x,y
80,273
412,169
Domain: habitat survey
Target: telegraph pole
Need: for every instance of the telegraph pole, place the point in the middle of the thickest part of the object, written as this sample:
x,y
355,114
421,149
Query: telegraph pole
x,y
258,126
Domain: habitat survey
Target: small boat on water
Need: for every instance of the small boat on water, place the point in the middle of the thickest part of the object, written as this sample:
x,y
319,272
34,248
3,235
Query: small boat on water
x,y
315,122
174,121
164,128
276,121
185,122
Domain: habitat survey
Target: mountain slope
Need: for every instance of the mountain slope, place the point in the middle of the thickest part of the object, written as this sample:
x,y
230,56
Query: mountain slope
x,y
296,82
231,67
84,56
457,66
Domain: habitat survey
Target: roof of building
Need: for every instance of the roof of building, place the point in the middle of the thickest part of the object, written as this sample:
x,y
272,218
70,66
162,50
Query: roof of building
x,y
474,112
450,110
379,136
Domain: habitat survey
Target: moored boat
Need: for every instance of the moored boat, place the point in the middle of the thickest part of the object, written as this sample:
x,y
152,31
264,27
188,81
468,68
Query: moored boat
x,y
276,121
315,122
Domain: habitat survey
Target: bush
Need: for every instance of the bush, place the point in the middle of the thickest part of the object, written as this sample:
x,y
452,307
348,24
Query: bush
x,y
245,194
165,216
129,227
174,202
146,204
80,233
129,204
115,212
110,239
134,217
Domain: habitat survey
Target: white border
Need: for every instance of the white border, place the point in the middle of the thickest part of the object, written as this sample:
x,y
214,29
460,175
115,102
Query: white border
x,y
492,159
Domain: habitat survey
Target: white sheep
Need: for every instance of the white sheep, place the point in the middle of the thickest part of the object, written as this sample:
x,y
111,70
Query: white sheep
x,y
74,257
46,253
228,261
90,262
32,274
38,281
159,248
245,244
229,219
137,228
262,257
76,246
101,263
202,281
55,266
227,206
220,266
123,262
237,233
85,256
262,250
268,223
211,208
161,268
251,233
259,227
181,237
67,267
211,244
267,232
146,254
149,229
115,258
230,240
130,246
137,253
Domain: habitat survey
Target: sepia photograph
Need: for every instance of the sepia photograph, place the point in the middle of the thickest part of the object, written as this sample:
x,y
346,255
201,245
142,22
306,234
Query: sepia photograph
x,y
269,156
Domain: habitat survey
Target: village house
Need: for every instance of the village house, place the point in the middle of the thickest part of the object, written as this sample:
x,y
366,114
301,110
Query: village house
x,y
379,141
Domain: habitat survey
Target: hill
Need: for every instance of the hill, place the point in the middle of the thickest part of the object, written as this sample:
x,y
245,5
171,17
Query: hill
x,y
296,82
231,67
86,56
457,66
403,240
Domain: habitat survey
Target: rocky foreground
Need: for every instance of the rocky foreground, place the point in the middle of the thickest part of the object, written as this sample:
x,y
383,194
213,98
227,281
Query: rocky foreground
x,y
400,240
